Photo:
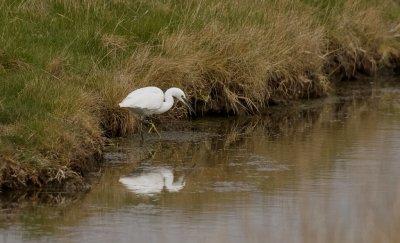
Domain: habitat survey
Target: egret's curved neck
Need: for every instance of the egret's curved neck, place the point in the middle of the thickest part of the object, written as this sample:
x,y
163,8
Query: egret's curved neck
x,y
168,101
174,186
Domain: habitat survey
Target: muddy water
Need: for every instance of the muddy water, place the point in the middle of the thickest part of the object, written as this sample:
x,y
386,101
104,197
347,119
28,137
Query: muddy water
x,y
319,171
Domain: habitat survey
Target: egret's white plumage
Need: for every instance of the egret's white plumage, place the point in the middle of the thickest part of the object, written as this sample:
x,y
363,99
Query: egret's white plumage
x,y
152,100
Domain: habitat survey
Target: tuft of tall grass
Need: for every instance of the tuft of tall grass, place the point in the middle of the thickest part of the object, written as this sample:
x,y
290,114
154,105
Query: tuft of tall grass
x,y
360,39
237,68
45,125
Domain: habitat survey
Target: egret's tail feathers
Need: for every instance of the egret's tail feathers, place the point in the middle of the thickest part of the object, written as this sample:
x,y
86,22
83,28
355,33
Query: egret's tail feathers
x,y
123,105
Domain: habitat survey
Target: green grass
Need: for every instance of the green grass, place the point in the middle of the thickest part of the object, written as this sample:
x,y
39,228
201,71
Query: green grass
x,y
66,64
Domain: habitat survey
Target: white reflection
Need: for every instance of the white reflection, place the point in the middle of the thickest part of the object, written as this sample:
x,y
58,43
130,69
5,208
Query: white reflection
x,y
153,181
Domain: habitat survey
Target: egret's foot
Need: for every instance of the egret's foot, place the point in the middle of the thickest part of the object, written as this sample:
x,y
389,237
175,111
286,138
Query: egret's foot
x,y
153,127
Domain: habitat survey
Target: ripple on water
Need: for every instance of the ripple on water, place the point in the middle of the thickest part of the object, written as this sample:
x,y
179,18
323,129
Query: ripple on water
x,y
260,163
181,136
265,164
230,186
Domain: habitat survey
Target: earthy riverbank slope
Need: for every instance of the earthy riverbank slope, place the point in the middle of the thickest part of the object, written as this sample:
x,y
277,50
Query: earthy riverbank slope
x,y
66,64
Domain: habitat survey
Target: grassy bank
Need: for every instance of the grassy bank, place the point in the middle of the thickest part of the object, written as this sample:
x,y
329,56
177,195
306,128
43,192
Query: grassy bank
x,y
66,64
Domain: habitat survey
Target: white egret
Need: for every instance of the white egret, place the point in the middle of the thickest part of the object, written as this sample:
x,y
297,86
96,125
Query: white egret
x,y
152,100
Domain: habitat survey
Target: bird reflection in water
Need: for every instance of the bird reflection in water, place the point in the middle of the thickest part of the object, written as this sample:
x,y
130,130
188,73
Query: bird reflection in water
x,y
152,181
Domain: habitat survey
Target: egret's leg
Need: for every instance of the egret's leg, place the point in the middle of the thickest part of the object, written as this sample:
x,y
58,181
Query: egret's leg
x,y
141,130
152,127
155,129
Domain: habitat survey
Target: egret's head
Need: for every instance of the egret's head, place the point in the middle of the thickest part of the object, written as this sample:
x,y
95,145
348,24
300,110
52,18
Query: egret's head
x,y
180,95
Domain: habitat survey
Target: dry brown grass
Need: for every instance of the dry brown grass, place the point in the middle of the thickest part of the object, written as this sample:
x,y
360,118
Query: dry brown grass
x,y
37,8
360,41
57,66
237,70
66,137
113,44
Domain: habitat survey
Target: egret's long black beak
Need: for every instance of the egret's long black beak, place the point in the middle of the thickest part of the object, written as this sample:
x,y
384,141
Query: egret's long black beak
x,y
185,102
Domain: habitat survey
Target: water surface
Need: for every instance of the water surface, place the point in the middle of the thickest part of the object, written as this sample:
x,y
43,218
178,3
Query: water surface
x,y
318,171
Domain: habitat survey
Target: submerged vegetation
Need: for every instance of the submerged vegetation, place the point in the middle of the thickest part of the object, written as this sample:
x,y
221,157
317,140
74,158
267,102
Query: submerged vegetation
x,y
66,64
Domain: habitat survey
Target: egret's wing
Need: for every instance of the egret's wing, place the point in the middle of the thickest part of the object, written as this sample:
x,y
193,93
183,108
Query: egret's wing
x,y
147,99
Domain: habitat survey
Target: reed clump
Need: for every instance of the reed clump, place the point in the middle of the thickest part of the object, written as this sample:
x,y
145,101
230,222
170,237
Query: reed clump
x,y
62,132
66,64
